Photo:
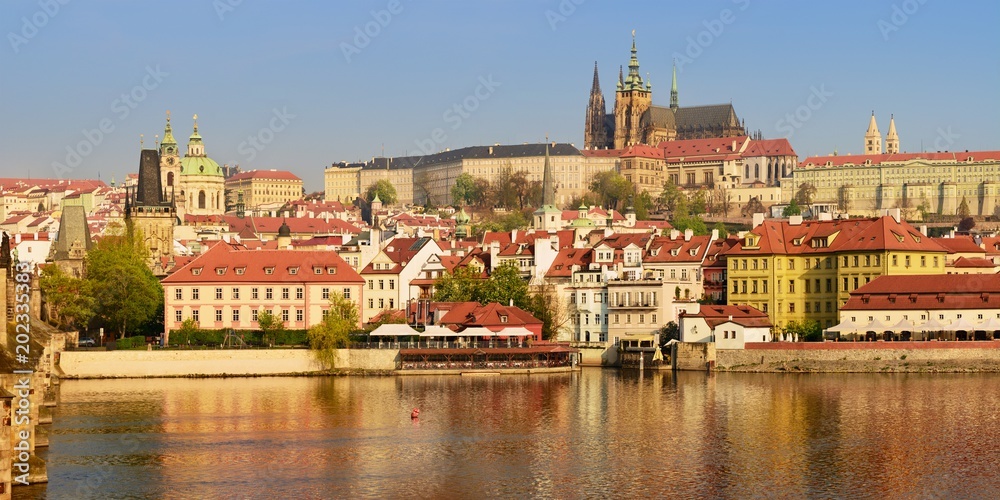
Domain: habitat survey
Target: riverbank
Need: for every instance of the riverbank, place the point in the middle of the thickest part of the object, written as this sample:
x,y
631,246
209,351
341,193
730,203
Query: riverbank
x,y
862,357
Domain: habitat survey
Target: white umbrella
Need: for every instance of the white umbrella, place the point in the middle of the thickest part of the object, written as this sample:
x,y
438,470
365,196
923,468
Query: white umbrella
x,y
438,331
476,331
515,332
990,325
876,326
846,326
930,326
904,325
961,325
393,330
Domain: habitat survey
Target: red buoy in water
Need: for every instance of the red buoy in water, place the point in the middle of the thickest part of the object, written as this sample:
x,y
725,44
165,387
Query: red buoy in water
x,y
415,413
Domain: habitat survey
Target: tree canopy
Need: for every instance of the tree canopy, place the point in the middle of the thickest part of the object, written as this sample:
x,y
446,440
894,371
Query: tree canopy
x,y
792,209
126,292
70,300
334,332
805,194
612,189
384,189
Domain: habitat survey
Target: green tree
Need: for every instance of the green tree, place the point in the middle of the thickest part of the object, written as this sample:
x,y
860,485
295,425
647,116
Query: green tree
x,y
611,188
642,205
461,285
503,193
792,209
188,332
126,292
588,199
805,194
699,203
70,300
271,327
669,332
692,222
545,306
963,209
384,189
805,331
466,190
505,284
671,193
334,332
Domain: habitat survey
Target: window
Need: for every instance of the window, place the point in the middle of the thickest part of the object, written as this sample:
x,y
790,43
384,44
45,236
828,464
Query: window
x,y
895,260
764,285
845,261
371,284
326,294
654,319
392,303
868,260
236,315
736,287
284,293
855,282
617,319
284,315
381,303
829,285
236,293
845,284
298,315
583,297
392,284
791,307
907,260
753,286
808,285
808,308
218,294
178,316
791,286
268,293
178,293
642,318
381,284
371,303
347,293
935,261
299,292
763,264
253,315
744,286
195,315
765,307
855,261
253,293
791,264
195,293
218,315
923,261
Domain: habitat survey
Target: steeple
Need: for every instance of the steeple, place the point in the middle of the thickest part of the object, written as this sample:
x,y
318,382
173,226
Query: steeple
x,y
634,81
169,144
892,139
621,79
673,88
595,135
548,187
873,139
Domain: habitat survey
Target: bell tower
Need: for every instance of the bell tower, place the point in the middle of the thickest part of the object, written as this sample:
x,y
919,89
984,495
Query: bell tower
x,y
632,99
873,139
170,164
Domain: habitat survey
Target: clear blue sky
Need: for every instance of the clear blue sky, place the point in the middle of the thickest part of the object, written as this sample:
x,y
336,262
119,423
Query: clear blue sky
x,y
937,69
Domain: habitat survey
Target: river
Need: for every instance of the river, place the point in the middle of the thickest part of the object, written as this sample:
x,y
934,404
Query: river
x,y
594,433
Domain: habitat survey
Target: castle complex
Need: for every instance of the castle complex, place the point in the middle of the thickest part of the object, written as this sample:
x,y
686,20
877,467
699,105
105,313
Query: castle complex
x,y
636,120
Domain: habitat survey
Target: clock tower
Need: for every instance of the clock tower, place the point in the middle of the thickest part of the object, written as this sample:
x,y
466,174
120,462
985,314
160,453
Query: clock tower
x,y
170,164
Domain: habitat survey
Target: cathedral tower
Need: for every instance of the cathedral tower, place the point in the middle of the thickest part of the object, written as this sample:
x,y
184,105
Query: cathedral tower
x,y
892,139
595,136
873,139
632,99
170,164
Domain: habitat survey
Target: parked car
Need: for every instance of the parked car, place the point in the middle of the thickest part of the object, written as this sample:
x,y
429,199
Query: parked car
x,y
86,343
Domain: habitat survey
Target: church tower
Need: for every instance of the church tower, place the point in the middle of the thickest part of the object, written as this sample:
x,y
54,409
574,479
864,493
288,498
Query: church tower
x,y
873,139
632,99
548,217
146,209
202,183
892,139
595,136
170,164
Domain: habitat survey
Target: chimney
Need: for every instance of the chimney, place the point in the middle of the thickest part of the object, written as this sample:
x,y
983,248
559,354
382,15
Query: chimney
x,y
674,234
795,220
825,216
758,219
17,238
688,233
715,234
513,235
923,229
896,214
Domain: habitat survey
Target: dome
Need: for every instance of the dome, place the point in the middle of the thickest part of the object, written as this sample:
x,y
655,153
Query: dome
x,y
461,217
200,165
284,230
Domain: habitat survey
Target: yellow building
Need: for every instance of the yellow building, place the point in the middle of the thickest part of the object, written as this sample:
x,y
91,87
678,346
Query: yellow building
x,y
342,182
797,270
261,188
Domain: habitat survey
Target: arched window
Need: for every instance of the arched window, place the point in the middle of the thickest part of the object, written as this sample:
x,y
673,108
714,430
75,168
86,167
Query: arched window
x,y
201,199
756,171
170,179
746,172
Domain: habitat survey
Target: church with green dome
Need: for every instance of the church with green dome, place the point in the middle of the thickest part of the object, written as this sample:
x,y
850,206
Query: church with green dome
x,y
195,182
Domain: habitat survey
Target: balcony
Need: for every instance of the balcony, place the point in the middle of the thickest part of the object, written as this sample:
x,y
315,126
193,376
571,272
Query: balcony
x,y
634,304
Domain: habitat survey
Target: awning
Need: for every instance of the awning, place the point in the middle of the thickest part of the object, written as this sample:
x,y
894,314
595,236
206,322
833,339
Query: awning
x,y
931,326
904,325
990,325
439,331
962,325
515,332
876,326
476,331
846,326
393,330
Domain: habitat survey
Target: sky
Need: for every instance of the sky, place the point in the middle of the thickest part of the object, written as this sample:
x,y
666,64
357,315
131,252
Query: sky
x,y
299,85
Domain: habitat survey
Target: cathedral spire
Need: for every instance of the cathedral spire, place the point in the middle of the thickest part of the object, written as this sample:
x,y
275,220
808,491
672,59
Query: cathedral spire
x,y
595,134
634,81
548,186
873,139
595,88
673,88
168,134
621,78
195,145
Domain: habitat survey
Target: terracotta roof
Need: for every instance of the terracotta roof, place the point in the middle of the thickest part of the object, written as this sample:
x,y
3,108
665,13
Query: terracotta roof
x,y
769,147
959,244
489,316
653,224
621,240
643,151
702,147
665,250
974,262
231,263
562,265
940,291
874,234
283,175
841,160
297,225
716,315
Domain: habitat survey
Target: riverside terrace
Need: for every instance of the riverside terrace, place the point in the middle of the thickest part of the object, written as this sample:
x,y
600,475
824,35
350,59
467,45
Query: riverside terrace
x,y
439,348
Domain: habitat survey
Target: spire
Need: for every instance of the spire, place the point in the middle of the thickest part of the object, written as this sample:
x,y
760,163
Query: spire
x,y
195,146
595,134
621,79
168,135
892,139
595,88
634,81
673,88
872,126
873,139
548,187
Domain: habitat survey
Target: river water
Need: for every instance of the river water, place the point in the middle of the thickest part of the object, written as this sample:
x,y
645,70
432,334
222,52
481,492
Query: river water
x,y
595,433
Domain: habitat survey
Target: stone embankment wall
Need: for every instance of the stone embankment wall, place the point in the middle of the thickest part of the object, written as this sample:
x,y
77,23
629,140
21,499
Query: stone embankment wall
x,y
214,362
698,356
862,356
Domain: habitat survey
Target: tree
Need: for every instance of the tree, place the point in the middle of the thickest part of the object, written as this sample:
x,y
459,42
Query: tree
x,y
588,199
642,205
384,189
844,198
806,331
460,285
423,181
546,306
721,201
805,194
334,332
792,209
466,191
669,332
692,222
754,206
70,301
271,327
188,332
698,203
925,209
611,188
966,225
671,193
504,285
126,292
963,209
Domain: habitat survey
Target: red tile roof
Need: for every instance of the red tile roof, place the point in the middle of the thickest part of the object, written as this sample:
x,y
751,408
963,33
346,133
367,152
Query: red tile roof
x,y
940,291
230,263
770,147
562,265
974,262
875,234
959,244
643,151
841,160
665,250
746,316
702,147
489,316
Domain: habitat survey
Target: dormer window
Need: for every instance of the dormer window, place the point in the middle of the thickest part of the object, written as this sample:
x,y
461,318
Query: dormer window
x,y
503,318
317,270
268,270
196,271
331,270
293,270
220,271
240,270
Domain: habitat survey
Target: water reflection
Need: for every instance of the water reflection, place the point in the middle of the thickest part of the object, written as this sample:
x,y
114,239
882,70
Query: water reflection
x,y
594,433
